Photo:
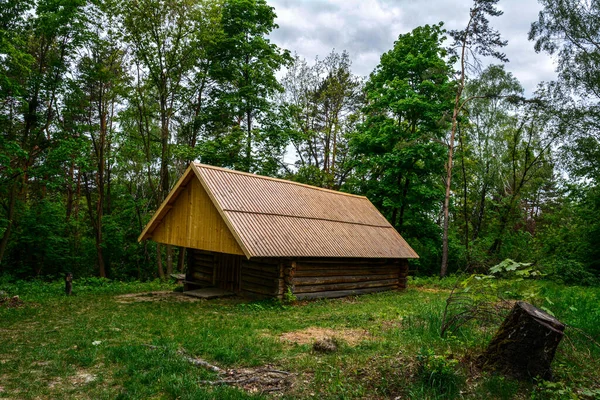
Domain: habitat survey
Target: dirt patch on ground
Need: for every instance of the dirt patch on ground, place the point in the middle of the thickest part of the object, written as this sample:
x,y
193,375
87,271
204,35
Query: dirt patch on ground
x,y
312,334
154,296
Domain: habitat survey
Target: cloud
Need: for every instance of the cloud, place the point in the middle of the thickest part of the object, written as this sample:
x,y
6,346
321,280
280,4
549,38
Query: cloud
x,y
368,28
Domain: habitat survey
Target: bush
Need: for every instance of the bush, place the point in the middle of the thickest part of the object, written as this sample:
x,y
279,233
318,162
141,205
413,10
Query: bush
x,y
438,373
570,272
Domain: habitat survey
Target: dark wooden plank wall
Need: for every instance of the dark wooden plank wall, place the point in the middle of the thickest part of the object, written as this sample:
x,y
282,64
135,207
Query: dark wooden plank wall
x,y
320,278
307,278
262,278
200,269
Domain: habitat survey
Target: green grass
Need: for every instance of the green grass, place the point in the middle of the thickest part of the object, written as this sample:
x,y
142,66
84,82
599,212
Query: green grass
x,y
92,346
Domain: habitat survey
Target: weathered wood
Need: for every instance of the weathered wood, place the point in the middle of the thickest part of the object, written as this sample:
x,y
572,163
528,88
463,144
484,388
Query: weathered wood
x,y
300,281
271,268
199,276
343,271
252,287
202,268
345,286
525,343
341,293
346,266
342,260
267,282
259,274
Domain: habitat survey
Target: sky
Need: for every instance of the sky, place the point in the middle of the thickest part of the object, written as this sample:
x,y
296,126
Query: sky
x,y
368,28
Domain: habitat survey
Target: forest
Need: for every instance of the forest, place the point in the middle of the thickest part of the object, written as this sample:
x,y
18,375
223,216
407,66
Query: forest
x,y
104,103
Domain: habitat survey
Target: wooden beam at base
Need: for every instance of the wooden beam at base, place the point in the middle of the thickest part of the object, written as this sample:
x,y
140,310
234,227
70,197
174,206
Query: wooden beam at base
x,y
208,293
341,293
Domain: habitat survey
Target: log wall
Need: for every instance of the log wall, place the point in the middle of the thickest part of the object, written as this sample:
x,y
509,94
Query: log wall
x,y
305,278
262,278
200,270
320,278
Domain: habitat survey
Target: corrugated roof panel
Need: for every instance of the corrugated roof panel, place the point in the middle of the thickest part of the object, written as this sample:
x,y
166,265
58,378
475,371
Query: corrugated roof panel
x,y
277,218
256,194
286,236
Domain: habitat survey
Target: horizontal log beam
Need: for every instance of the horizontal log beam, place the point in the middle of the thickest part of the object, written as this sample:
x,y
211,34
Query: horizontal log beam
x,y
260,267
301,265
345,286
343,271
320,280
267,282
342,293
251,287
260,274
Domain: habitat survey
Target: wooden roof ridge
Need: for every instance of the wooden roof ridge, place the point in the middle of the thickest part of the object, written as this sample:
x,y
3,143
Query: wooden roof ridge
x,y
288,182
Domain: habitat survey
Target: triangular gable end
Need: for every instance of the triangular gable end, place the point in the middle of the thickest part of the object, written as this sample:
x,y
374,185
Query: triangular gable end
x,y
188,218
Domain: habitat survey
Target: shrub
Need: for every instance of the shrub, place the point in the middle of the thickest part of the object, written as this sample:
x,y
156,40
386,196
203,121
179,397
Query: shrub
x,y
438,373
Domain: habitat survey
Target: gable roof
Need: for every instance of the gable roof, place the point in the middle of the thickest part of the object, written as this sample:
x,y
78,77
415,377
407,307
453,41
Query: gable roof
x,y
271,217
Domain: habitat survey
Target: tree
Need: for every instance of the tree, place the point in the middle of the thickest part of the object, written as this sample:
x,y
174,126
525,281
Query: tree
x,y
398,146
246,63
99,87
320,107
481,142
477,38
40,43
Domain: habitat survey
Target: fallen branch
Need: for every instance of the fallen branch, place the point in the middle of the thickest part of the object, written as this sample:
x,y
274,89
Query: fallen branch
x,y
229,381
196,361
201,363
260,376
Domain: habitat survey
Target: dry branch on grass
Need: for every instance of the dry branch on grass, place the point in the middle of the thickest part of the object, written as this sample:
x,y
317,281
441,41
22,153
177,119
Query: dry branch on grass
x,y
261,379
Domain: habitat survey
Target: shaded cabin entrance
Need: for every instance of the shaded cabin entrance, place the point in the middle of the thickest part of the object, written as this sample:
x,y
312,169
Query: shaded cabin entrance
x,y
228,271
208,269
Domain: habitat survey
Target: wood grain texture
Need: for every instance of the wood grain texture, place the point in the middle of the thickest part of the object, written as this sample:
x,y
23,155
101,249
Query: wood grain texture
x,y
194,222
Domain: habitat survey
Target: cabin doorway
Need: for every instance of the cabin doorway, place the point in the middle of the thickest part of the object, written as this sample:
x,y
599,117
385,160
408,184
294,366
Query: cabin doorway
x,y
228,272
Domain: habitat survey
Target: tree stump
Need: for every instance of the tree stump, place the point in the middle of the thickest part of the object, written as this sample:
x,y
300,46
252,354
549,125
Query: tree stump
x,y
68,283
525,343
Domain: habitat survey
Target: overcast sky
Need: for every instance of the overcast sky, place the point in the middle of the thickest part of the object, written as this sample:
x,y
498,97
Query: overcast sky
x,y
368,28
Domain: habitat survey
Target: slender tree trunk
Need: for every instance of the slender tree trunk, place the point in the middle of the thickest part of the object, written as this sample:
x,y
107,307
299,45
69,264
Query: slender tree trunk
x,y
446,209
403,206
10,214
169,259
457,109
70,180
181,260
161,272
465,208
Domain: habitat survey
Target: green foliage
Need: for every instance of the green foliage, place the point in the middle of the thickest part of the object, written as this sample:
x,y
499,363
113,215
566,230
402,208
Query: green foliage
x,y
439,373
397,148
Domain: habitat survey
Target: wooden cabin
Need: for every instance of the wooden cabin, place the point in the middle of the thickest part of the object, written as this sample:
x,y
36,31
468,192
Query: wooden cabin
x,y
264,237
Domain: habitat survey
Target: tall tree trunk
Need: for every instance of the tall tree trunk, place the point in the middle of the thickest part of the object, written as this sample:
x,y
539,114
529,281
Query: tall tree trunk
x,y
465,197
446,209
169,259
161,272
10,214
455,113
181,260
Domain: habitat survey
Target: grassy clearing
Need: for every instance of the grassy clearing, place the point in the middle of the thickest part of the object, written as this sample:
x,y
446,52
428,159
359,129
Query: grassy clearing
x,y
95,345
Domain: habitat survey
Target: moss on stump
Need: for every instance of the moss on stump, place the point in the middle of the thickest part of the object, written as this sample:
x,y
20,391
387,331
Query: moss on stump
x,y
525,343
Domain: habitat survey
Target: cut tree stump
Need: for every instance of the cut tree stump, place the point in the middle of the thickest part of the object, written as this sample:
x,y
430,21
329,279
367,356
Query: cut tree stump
x,y
525,343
